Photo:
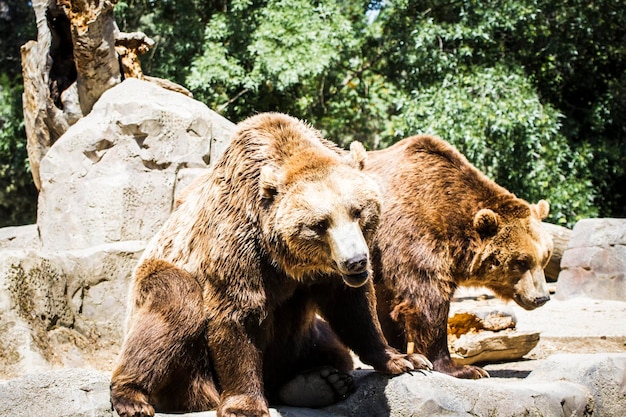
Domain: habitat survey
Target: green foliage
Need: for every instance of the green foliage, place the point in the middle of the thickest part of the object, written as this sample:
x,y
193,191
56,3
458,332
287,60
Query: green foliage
x,y
532,91
253,56
494,117
17,25
177,28
18,196
574,53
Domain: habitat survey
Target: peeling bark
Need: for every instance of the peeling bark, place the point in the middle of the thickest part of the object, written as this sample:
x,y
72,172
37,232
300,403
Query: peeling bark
x,y
93,32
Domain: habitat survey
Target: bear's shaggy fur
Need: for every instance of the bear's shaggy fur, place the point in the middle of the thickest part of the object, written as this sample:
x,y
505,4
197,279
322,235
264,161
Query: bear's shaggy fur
x,y
445,224
224,304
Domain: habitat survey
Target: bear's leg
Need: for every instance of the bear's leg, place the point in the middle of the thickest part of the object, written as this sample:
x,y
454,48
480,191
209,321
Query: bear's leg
x,y
189,386
351,313
426,327
324,365
238,362
155,368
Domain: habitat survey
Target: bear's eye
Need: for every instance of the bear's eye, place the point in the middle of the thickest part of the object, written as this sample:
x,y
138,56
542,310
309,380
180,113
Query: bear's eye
x,y
356,213
320,227
521,264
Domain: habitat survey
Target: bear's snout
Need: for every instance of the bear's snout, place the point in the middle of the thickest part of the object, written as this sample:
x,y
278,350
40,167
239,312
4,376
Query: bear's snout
x,y
539,301
531,303
532,291
355,273
356,280
350,252
356,264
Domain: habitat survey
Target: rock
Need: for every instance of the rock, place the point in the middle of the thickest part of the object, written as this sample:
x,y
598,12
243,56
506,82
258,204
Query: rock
x,y
594,263
604,375
67,392
564,385
560,237
113,175
487,334
489,346
19,237
63,308
463,321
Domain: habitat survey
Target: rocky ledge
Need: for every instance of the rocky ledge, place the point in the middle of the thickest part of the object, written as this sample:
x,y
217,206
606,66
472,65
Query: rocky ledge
x,y
562,385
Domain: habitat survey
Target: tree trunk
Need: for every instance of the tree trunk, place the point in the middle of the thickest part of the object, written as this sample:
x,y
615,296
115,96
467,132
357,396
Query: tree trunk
x,y
93,32
66,70
72,63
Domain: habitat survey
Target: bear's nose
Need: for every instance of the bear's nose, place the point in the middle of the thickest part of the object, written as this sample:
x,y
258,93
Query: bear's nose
x,y
356,264
539,301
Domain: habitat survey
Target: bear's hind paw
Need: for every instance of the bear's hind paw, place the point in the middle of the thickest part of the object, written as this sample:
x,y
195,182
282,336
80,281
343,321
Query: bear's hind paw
x,y
318,387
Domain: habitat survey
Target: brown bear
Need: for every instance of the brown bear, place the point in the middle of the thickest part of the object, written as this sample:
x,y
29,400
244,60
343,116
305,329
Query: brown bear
x,y
445,224
226,302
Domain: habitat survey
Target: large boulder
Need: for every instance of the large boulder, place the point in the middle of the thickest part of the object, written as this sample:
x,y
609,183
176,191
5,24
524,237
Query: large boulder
x,y
594,263
113,176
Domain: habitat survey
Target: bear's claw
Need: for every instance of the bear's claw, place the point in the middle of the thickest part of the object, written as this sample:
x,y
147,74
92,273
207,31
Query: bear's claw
x,y
126,407
420,362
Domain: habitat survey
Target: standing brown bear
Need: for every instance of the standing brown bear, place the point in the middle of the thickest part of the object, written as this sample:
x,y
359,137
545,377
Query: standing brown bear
x,y
223,307
445,224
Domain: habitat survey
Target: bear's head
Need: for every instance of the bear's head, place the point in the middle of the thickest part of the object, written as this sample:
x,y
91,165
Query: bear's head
x,y
514,250
322,214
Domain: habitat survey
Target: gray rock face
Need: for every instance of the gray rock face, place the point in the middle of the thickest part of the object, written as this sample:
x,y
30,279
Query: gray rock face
x,y
67,393
113,176
19,237
564,385
594,263
63,308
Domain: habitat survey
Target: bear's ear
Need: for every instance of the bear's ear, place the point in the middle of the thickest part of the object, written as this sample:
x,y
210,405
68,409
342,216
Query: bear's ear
x,y
541,209
357,155
486,223
269,182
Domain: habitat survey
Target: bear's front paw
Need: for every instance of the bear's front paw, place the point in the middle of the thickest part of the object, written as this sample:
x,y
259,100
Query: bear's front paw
x,y
462,371
419,361
398,363
316,388
134,405
243,406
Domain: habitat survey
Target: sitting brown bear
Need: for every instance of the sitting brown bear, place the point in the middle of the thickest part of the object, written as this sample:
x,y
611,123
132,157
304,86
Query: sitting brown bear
x,y
445,224
224,303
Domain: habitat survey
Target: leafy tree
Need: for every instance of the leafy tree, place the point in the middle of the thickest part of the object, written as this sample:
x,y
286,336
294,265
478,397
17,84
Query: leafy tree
x,y
468,83
532,91
574,52
452,69
177,27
